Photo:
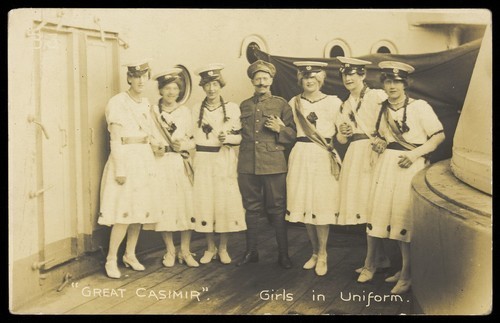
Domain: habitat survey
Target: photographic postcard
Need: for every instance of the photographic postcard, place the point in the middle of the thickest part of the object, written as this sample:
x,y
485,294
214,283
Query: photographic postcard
x,y
64,66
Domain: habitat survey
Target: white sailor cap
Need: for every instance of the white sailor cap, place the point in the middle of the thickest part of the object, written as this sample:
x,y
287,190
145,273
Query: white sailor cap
x,y
309,67
167,76
396,70
138,67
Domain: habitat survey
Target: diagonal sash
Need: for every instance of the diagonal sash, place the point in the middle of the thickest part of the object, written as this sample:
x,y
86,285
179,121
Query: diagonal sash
x,y
188,168
396,133
315,137
360,123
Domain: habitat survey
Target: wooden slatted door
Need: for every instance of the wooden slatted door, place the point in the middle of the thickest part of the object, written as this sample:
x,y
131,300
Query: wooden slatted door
x,y
76,74
56,148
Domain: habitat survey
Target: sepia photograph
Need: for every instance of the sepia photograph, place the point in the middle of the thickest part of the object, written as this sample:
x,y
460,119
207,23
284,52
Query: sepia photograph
x,y
250,161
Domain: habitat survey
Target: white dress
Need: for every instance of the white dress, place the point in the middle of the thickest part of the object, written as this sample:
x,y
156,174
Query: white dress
x,y
174,188
312,190
217,200
134,201
359,160
389,205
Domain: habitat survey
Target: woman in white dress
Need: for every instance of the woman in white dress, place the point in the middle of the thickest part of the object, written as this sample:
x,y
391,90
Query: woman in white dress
x,y
356,126
408,130
127,187
217,199
312,180
174,126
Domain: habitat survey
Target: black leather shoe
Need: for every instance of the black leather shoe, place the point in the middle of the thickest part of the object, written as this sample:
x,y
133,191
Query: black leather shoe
x,y
285,261
250,256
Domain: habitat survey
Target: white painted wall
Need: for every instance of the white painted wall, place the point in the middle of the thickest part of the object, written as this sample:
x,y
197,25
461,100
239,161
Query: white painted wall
x,y
22,166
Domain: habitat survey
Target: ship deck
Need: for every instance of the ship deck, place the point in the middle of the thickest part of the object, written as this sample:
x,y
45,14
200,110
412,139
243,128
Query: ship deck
x,y
256,288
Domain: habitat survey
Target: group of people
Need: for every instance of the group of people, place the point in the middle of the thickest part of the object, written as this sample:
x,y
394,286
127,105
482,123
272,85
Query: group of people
x,y
152,180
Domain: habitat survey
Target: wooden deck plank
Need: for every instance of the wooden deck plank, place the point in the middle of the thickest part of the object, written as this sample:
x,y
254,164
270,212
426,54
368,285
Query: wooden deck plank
x,y
72,296
238,280
227,289
188,281
173,279
303,285
339,275
99,305
273,281
354,297
158,275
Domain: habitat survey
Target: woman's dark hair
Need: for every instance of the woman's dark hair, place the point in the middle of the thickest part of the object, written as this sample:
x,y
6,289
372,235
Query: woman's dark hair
x,y
219,79
358,71
177,81
384,77
137,74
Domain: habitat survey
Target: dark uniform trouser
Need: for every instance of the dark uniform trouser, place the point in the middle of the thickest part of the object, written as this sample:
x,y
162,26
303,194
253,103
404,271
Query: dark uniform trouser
x,y
269,191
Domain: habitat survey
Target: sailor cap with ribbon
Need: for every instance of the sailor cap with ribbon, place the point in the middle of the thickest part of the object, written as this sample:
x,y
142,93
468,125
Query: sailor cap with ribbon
x,y
351,65
310,68
167,76
138,68
210,72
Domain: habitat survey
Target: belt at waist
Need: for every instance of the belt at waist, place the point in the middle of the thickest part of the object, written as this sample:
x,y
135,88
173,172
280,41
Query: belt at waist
x,y
396,146
135,140
306,139
359,136
210,149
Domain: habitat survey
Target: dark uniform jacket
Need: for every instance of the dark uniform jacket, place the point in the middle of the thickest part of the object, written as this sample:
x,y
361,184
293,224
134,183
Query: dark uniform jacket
x,y
262,151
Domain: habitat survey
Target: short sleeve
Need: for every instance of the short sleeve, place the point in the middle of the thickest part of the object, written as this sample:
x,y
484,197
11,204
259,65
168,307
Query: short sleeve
x,y
429,120
114,115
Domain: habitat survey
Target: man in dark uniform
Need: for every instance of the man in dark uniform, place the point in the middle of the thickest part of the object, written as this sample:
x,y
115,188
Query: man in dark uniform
x,y
267,126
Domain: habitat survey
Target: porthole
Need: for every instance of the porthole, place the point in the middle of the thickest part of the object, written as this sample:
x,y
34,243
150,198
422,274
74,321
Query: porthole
x,y
187,85
383,50
250,44
336,47
384,47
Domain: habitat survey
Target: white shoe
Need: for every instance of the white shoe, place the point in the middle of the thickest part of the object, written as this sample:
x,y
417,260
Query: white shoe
x,y
208,256
402,286
393,279
131,261
311,263
224,257
112,269
190,262
321,266
169,259
366,275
